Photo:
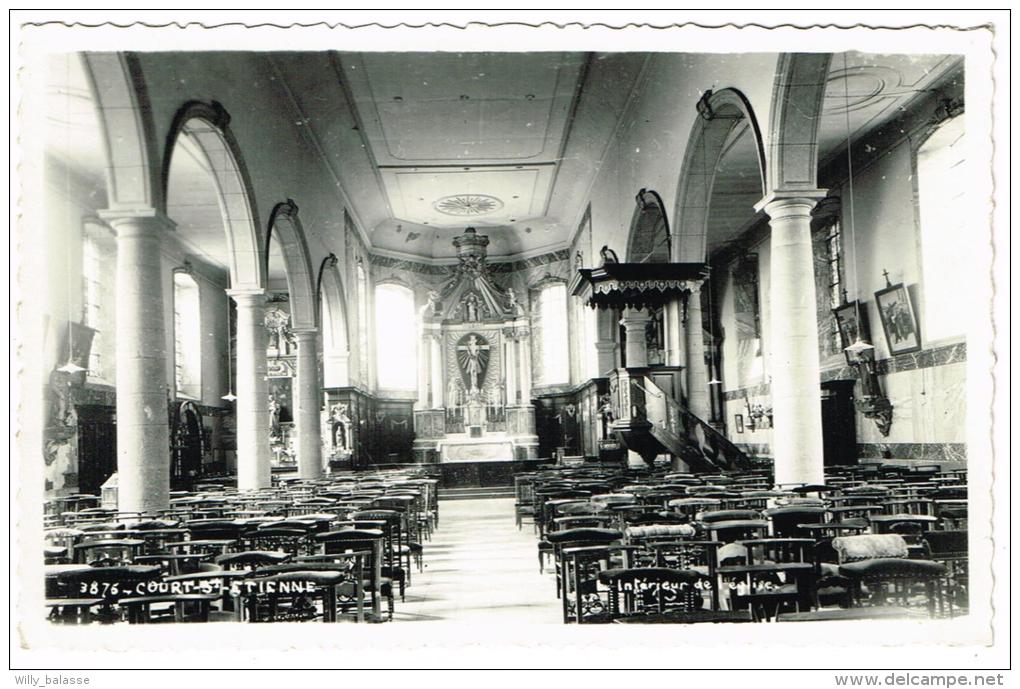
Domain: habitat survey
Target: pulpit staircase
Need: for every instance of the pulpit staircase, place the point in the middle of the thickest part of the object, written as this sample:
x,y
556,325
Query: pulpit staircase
x,y
651,422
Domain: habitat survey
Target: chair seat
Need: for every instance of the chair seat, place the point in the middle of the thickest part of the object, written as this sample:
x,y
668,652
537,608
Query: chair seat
x,y
893,568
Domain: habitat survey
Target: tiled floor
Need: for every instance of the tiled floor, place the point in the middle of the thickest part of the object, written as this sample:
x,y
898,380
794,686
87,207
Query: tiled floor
x,y
479,567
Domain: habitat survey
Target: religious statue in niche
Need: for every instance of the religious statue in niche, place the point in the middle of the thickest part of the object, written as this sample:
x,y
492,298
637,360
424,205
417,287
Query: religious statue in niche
x,y
513,306
279,405
453,399
340,426
606,413
433,303
473,357
472,309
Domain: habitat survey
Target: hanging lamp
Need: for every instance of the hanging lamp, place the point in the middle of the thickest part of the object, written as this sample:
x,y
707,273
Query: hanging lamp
x,y
859,345
705,110
70,366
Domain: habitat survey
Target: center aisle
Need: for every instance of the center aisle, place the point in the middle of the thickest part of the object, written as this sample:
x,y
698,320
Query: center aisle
x,y
480,568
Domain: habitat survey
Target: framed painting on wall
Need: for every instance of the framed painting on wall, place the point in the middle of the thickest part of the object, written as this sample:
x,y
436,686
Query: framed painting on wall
x,y
898,319
852,322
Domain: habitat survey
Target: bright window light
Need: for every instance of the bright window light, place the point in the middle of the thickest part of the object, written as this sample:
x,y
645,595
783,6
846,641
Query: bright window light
x,y
552,311
395,334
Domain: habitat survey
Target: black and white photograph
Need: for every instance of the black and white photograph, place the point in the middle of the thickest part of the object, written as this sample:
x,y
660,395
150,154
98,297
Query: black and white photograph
x,y
362,342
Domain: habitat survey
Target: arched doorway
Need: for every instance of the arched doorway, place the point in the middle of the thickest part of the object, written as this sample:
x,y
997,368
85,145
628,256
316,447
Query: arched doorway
x,y
210,198
187,444
287,254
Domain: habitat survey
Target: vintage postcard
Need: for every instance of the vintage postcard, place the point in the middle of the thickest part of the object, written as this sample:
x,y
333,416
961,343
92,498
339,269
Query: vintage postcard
x,y
578,340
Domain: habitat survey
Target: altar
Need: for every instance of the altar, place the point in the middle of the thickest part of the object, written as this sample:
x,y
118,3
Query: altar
x,y
474,400
493,449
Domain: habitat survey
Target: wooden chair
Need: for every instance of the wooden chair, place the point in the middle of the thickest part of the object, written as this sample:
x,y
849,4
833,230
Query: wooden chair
x,y
293,596
778,575
362,541
576,538
950,548
787,521
120,551
293,541
898,580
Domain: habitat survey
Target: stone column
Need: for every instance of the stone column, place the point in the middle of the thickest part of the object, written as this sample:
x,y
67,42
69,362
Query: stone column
x,y
510,344
675,349
605,346
307,403
634,322
698,399
436,362
253,468
525,359
796,381
143,434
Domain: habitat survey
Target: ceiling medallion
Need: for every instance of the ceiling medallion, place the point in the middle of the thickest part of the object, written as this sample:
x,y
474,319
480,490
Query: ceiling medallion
x,y
467,204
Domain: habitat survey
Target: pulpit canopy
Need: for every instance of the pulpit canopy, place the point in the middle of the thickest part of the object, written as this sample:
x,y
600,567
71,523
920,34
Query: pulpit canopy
x,y
637,285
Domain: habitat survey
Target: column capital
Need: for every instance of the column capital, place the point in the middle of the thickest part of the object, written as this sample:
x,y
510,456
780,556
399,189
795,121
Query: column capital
x,y
305,333
137,221
247,297
634,316
778,199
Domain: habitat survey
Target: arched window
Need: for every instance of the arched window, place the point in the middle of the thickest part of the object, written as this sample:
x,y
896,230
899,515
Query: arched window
x,y
942,189
98,273
395,336
549,326
187,337
362,296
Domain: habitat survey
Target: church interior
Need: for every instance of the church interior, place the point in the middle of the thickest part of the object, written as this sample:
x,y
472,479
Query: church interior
x,y
635,337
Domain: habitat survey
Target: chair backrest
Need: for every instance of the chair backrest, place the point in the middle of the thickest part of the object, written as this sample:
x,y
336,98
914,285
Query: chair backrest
x,y
778,550
786,520
947,544
214,530
728,515
579,537
252,560
293,541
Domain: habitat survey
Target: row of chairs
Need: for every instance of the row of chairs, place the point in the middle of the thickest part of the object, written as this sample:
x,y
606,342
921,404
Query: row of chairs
x,y
204,537
748,548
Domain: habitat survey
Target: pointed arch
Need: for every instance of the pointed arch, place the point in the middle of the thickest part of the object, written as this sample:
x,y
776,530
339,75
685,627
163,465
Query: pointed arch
x,y
207,125
297,264
125,117
724,115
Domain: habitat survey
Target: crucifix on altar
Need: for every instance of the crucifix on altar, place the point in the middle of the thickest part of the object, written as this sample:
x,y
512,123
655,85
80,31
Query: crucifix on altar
x,y
473,357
